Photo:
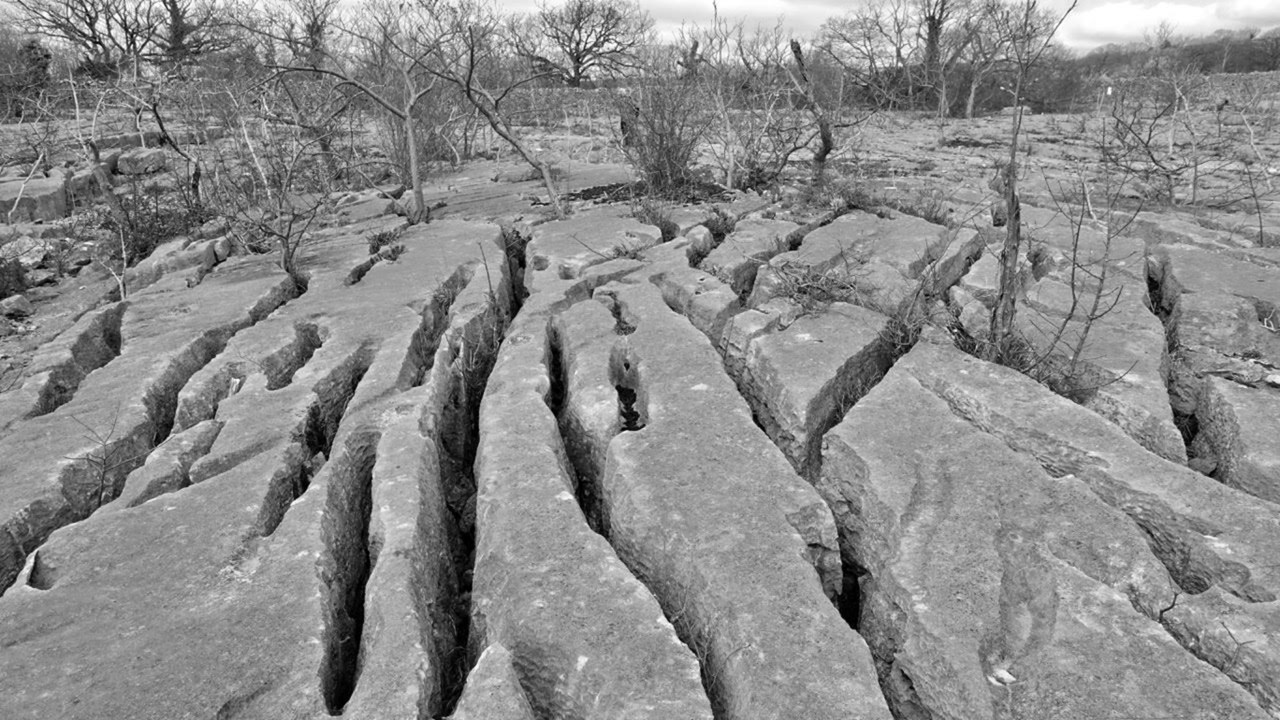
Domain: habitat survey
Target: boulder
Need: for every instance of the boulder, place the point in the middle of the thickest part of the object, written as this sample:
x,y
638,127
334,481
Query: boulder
x,y
1238,431
751,244
142,161
589,238
39,198
28,251
16,306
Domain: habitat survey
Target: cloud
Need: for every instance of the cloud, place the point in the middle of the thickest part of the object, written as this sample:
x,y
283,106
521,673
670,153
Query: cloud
x,y
1262,13
1128,21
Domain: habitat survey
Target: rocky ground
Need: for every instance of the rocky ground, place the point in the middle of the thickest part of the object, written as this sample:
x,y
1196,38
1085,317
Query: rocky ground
x,y
745,468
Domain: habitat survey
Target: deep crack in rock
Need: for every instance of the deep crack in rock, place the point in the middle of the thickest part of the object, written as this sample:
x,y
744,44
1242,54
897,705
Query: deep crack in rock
x,y
348,560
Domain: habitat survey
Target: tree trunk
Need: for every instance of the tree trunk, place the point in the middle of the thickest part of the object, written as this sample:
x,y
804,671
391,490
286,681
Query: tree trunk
x,y
933,53
1006,183
943,108
827,144
973,92
418,213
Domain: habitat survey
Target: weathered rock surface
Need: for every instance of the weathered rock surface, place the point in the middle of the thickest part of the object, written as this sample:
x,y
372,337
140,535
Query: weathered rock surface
x,y
284,528
708,513
567,469
1217,543
1223,310
752,243
879,263
1239,436
587,638
1085,317
993,589
142,161
40,197
800,379
1223,318
16,306
1115,363
61,365
567,248
493,690
64,464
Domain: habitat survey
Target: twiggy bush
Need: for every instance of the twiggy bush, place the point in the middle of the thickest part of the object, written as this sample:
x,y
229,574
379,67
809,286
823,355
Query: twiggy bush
x,y
663,129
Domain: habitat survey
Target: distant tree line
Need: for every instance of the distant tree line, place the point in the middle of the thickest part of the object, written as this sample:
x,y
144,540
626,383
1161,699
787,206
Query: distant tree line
x,y
949,56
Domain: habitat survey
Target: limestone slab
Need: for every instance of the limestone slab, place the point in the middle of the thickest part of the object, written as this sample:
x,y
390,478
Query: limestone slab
x,y
1217,543
61,466
493,690
704,508
1239,428
994,590
586,637
799,378
751,244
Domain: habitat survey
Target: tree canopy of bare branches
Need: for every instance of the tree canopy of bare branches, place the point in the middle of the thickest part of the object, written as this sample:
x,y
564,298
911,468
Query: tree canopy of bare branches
x,y
111,34
583,39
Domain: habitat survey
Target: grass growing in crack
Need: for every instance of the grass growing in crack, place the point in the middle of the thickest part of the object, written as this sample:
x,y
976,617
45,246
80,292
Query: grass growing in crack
x,y
651,212
720,223
814,290
381,239
630,251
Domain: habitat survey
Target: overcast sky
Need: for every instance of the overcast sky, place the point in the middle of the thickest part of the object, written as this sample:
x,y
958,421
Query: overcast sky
x,y
1093,23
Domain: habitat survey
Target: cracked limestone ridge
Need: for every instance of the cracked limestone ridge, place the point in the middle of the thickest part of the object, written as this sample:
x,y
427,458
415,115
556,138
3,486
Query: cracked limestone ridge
x,y
701,506
418,531
61,365
1000,598
493,690
883,261
1218,544
222,618
586,637
753,241
61,466
800,379
1222,315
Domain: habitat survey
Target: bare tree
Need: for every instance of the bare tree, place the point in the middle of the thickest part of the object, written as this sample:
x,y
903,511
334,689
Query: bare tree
x,y
385,63
109,33
804,84
752,129
188,30
988,30
1032,32
876,45
583,38
468,55
935,17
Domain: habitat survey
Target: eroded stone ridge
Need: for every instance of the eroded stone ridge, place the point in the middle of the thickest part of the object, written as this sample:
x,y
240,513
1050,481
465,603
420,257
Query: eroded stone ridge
x,y
585,471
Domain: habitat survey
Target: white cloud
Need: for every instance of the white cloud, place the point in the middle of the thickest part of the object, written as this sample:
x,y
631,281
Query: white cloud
x,y
1129,20
1262,13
